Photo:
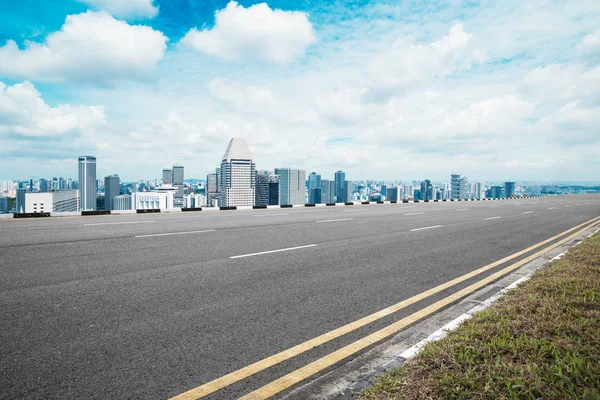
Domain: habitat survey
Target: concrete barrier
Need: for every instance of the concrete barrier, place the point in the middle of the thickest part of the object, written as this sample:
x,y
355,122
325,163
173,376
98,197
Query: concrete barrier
x,y
148,210
32,215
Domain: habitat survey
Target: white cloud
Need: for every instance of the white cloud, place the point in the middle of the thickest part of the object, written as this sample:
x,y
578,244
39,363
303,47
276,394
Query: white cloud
x,y
24,114
589,48
242,98
91,47
256,32
405,65
125,8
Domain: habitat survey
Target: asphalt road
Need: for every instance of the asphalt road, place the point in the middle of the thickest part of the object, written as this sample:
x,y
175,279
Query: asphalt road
x,y
149,306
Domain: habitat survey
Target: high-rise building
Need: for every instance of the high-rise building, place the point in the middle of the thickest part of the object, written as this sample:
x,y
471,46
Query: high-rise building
x,y
292,185
20,200
339,179
426,190
167,176
393,193
346,193
509,189
479,190
3,205
178,179
112,188
237,175
459,187
267,189
326,193
87,182
315,195
212,189
43,185
314,181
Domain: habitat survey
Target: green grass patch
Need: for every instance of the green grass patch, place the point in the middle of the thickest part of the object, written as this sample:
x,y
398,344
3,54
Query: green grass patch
x,y
541,340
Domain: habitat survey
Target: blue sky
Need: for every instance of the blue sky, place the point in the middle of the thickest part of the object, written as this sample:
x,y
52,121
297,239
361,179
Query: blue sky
x,y
498,90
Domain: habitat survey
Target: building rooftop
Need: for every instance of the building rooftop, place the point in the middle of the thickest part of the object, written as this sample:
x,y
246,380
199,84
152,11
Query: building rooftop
x,y
237,150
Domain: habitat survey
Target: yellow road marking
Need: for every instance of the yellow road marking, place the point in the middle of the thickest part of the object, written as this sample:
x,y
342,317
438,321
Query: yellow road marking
x,y
300,374
245,372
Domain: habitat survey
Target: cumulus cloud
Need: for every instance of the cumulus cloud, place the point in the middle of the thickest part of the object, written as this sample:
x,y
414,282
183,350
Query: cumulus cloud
x,y
125,8
91,47
24,114
405,65
256,32
589,48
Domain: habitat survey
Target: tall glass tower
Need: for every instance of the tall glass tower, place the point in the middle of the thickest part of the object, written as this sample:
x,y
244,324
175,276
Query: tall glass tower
x,y
87,182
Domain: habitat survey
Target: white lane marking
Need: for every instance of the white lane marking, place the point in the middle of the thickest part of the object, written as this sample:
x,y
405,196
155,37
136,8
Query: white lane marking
x,y
462,209
273,251
552,208
492,218
173,233
567,206
527,212
427,227
494,206
118,223
417,213
335,220
268,215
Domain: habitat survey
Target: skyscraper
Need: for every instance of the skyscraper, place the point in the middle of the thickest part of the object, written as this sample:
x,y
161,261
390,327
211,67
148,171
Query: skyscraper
x,y
237,175
392,193
20,200
267,189
177,175
480,190
211,189
314,181
3,205
112,188
459,186
292,185
509,189
426,190
178,183
340,177
87,182
326,193
167,176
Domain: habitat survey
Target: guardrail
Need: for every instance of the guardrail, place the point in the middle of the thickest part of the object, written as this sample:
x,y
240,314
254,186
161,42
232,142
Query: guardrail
x,y
230,208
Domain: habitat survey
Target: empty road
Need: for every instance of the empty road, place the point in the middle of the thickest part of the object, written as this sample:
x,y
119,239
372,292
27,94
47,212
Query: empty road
x,y
150,306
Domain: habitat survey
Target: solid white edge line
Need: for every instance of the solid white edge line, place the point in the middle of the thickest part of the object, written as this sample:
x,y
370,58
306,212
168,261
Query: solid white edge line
x,y
528,212
426,227
462,209
335,220
273,251
118,223
268,215
173,233
492,218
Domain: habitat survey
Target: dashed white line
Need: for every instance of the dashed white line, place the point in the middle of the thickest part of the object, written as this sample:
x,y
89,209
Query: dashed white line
x,y
492,218
528,212
462,209
427,227
494,206
417,213
335,220
173,233
274,251
552,208
118,223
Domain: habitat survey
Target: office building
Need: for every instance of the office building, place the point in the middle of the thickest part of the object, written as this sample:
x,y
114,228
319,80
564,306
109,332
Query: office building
x,y
112,188
3,205
178,178
167,176
315,195
459,187
346,193
314,181
479,192
194,201
426,190
267,189
292,185
326,191
339,180
509,189
238,174
122,202
58,201
393,193
87,182
20,200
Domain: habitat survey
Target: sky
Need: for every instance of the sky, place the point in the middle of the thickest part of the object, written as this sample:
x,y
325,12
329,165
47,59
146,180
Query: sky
x,y
390,90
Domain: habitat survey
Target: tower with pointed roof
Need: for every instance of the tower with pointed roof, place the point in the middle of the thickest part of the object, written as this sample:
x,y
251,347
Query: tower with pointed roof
x,y
237,175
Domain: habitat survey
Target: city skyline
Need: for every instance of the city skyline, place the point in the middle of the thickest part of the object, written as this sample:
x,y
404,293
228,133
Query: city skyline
x,y
380,90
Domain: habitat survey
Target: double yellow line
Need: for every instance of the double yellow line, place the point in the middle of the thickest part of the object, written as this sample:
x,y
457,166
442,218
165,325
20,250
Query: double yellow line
x,y
315,367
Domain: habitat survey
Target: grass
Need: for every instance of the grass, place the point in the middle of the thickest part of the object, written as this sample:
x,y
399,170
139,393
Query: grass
x,y
541,340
